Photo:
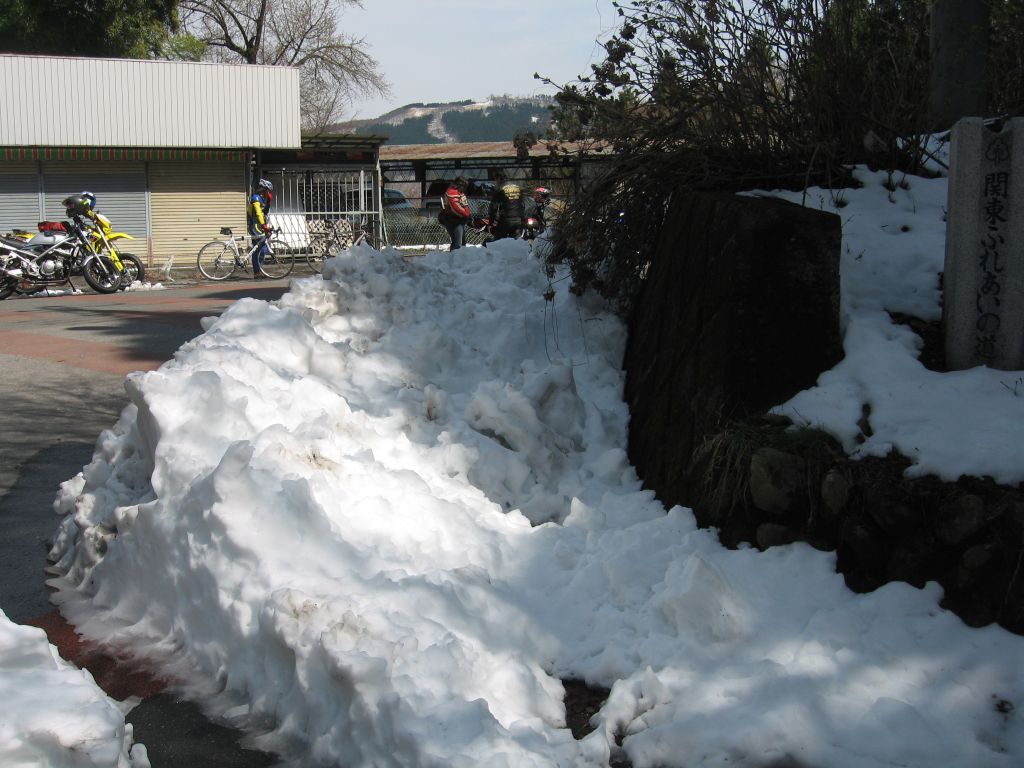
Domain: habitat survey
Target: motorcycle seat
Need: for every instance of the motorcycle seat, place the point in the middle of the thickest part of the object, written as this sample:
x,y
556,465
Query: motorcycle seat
x,y
225,231
13,242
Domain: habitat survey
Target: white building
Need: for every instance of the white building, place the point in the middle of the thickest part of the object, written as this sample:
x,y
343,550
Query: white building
x,y
169,148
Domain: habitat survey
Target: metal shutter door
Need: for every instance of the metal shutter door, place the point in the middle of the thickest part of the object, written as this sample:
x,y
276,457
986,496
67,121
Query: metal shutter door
x,y
19,197
190,202
120,193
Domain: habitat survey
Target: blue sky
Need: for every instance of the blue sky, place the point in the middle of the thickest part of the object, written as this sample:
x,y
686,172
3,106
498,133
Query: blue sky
x,y
448,50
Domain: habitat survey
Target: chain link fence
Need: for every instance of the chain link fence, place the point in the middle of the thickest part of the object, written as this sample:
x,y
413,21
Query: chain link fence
x,y
410,216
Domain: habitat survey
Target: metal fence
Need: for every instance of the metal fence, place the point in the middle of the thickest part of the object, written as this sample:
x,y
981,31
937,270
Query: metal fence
x,y
411,222
316,208
308,203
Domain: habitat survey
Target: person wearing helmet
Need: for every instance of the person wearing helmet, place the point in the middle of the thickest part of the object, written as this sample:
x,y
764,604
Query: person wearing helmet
x,y
506,211
455,212
542,199
258,218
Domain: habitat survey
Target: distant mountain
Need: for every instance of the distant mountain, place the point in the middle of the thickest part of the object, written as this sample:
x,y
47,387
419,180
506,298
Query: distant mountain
x,y
498,118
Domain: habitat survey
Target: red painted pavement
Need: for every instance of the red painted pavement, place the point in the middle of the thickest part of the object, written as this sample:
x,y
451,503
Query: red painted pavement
x,y
51,338
118,677
92,355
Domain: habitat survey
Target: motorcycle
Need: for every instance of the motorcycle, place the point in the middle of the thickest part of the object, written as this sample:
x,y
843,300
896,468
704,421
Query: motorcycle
x,y
101,238
29,267
532,227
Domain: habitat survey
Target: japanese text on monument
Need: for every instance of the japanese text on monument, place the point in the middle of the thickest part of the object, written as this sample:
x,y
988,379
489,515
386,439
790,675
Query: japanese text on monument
x,y
988,302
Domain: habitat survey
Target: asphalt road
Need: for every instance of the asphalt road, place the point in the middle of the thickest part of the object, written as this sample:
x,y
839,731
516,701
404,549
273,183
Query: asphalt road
x,y
63,361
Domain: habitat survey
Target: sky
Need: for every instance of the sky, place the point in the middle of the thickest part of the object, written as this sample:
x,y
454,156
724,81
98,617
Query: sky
x,y
376,522
452,50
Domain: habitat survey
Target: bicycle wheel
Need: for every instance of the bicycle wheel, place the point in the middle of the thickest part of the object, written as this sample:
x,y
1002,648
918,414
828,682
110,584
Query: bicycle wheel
x,y
216,261
279,262
363,233
317,252
333,242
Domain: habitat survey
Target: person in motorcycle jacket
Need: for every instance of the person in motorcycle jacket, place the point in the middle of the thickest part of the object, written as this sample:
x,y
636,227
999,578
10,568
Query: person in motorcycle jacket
x,y
455,212
258,220
541,199
506,212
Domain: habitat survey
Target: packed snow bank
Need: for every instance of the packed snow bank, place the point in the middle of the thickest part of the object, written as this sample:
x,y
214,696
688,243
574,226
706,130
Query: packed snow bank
x,y
52,714
386,514
947,424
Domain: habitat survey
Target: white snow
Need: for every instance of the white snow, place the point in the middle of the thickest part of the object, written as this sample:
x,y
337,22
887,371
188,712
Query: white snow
x,y
376,521
947,424
53,714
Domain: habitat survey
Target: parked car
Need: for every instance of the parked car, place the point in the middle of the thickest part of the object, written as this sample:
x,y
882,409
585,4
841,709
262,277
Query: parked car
x,y
401,218
481,188
393,198
431,202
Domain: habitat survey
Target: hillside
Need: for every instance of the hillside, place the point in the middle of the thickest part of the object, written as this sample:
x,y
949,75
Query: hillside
x,y
496,119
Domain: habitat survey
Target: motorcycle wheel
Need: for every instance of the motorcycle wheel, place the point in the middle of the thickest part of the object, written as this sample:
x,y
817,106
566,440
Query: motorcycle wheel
x,y
133,269
101,275
7,288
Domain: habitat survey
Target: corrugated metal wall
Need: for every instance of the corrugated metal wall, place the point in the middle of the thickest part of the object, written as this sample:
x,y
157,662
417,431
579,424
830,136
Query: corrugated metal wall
x,y
19,196
120,190
190,202
50,102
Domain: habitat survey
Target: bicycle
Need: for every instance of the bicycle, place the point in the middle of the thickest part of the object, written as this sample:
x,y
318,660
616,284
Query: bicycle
x,y
331,238
218,259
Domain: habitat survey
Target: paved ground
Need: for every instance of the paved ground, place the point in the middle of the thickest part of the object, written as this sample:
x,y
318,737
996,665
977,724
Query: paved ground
x,y
63,360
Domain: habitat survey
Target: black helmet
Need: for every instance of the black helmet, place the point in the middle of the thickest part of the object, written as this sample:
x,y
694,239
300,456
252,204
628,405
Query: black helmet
x,y
76,205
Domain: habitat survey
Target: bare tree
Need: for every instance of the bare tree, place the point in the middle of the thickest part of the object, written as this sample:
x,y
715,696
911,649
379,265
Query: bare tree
x,y
335,67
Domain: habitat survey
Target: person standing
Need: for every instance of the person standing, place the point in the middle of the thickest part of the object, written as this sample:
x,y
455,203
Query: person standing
x,y
541,199
455,212
506,210
258,218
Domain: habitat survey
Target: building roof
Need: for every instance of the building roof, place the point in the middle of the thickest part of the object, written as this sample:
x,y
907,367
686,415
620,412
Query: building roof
x,y
468,150
64,101
341,141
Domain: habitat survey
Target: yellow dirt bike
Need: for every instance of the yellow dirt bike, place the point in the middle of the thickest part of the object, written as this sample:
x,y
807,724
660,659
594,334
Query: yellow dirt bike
x,y
102,238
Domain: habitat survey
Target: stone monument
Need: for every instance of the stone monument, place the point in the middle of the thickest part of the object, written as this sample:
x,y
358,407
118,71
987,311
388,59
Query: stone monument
x,y
983,285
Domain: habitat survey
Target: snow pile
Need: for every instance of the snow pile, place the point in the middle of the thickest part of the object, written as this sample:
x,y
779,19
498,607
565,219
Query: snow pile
x,y
947,424
54,714
386,514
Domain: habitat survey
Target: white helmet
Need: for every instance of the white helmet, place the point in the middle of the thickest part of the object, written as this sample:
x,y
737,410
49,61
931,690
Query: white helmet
x,y
265,184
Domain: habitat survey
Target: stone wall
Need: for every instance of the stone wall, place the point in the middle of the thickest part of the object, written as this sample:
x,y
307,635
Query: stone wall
x,y
968,536
739,312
